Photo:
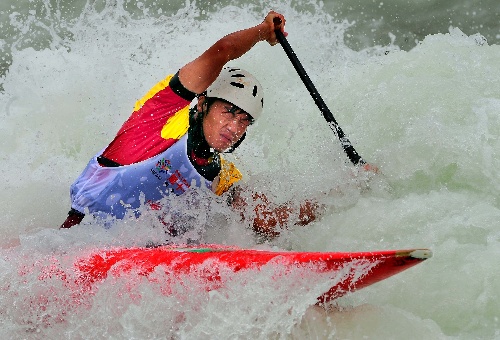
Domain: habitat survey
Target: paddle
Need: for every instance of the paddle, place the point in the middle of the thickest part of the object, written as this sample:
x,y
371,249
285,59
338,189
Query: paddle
x,y
354,157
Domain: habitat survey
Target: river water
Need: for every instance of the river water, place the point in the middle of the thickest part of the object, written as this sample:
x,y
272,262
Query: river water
x,y
415,86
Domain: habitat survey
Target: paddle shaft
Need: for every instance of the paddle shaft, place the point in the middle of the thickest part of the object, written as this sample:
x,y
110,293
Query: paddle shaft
x,y
354,157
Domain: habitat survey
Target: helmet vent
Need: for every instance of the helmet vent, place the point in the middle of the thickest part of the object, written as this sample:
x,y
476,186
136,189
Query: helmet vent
x,y
238,75
254,90
237,84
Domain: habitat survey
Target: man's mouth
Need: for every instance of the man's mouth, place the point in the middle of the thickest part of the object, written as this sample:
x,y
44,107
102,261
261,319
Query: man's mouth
x,y
226,138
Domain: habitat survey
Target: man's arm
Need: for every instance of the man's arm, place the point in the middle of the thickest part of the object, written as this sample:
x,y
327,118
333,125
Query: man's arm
x,y
200,73
268,218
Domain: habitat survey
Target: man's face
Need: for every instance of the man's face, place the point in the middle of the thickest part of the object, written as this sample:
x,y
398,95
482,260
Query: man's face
x,y
224,125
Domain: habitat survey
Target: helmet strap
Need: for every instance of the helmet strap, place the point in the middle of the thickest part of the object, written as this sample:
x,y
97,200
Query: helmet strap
x,y
196,138
235,145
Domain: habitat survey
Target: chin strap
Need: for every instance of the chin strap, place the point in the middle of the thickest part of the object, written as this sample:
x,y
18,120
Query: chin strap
x,y
235,145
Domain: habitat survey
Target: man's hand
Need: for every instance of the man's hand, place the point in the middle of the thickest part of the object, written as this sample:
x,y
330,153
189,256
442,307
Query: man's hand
x,y
371,168
273,21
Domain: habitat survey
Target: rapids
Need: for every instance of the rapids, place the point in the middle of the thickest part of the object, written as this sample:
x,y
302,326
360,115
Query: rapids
x,y
421,104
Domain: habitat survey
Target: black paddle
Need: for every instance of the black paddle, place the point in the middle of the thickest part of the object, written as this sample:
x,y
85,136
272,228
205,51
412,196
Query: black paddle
x,y
346,143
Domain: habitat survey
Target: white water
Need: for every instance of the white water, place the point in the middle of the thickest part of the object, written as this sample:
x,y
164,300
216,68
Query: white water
x,y
428,117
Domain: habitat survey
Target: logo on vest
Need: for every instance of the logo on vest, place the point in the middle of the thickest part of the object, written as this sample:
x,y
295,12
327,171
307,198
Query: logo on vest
x,y
163,165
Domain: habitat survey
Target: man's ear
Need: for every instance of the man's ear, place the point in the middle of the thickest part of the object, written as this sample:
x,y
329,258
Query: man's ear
x,y
202,104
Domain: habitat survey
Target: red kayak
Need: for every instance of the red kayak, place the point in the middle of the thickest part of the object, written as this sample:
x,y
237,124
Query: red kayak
x,y
346,272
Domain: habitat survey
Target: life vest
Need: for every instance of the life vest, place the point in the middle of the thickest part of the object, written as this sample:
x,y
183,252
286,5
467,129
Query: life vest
x,y
116,190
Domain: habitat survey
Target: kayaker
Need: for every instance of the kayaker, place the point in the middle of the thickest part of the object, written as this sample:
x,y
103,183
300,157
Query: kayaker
x,y
165,147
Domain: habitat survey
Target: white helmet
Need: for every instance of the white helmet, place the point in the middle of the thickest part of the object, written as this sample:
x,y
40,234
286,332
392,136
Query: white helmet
x,y
240,88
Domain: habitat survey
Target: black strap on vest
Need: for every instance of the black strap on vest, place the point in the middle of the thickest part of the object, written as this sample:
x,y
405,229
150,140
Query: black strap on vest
x,y
177,87
107,162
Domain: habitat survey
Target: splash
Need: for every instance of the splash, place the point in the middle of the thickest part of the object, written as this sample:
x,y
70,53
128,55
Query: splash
x,y
427,116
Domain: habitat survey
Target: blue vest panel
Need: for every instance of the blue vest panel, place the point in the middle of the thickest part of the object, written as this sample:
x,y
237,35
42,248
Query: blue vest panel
x,y
116,190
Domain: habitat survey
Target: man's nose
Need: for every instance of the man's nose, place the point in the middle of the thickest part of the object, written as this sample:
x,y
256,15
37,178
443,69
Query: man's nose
x,y
236,127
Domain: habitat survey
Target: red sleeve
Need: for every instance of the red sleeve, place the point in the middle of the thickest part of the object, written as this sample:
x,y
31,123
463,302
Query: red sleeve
x,y
140,136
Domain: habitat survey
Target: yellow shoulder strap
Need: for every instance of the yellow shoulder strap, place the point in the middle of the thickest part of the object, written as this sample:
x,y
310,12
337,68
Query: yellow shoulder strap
x,y
228,175
154,90
177,125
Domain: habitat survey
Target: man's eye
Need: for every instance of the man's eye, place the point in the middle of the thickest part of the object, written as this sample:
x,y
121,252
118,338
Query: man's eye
x,y
230,109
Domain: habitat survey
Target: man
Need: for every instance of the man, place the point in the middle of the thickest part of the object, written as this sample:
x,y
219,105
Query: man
x,y
164,147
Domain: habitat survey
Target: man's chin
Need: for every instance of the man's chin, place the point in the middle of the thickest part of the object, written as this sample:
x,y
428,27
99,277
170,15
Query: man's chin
x,y
220,148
